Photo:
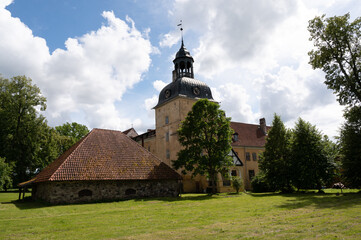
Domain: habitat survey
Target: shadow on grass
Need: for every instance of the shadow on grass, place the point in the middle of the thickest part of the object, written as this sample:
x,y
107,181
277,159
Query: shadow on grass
x,y
192,197
187,197
319,200
28,203
291,201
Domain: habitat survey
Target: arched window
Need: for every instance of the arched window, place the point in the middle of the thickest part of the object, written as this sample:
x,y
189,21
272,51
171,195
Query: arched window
x,y
85,193
130,191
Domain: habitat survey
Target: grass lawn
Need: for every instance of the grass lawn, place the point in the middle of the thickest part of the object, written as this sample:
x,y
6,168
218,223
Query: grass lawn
x,y
193,216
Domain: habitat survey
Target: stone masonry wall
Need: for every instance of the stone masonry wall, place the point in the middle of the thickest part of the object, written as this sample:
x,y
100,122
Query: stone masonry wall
x,y
90,191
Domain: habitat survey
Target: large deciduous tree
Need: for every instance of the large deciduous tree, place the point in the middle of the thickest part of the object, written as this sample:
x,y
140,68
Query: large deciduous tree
x,y
71,133
275,162
206,138
338,54
21,124
351,147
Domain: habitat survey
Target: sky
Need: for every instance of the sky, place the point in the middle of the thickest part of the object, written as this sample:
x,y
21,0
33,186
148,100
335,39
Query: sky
x,y
103,63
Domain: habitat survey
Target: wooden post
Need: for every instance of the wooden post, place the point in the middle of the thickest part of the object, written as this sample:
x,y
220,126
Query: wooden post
x,y
19,193
24,192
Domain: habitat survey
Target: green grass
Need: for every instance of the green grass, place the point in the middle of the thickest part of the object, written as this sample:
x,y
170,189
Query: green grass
x,y
193,216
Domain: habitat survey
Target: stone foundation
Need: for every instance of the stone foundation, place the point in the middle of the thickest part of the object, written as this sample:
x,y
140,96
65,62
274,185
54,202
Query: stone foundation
x,y
92,191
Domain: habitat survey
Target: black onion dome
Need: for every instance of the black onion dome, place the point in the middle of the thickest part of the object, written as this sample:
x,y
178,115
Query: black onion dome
x,y
183,52
185,87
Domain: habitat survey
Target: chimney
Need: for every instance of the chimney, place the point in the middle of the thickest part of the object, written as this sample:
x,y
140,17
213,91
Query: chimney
x,y
262,124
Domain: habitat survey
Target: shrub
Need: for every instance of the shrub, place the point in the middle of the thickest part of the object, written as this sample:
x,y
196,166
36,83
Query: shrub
x,y
237,183
259,184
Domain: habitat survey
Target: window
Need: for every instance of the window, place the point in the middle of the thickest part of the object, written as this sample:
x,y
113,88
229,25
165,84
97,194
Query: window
x,y
234,173
166,119
85,193
235,137
226,181
130,191
250,174
167,136
248,156
254,156
167,154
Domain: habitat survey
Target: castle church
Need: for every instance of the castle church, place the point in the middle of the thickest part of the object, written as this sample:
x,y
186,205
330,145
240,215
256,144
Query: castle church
x,y
175,101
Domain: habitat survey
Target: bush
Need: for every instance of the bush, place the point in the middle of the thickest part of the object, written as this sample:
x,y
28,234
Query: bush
x,y
237,183
259,184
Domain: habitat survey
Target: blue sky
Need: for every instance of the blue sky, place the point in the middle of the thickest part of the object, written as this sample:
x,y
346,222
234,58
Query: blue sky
x,y
103,63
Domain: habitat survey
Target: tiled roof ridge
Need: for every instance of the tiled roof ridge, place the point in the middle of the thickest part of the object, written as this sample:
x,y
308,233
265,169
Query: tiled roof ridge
x,y
76,146
155,157
245,123
250,124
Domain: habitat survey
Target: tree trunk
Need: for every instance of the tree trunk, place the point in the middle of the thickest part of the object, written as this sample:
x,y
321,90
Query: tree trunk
x,y
214,183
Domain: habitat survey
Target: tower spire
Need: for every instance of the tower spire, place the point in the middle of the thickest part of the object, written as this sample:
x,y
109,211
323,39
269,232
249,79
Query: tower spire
x,y
181,29
183,62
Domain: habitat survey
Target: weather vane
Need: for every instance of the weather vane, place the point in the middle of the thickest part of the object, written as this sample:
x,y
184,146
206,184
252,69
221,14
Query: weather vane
x,y
181,28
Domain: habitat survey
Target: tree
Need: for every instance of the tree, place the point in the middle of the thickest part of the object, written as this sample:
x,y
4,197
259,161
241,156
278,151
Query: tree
x,y
338,54
350,141
71,132
206,137
5,174
52,146
309,161
21,125
332,152
275,162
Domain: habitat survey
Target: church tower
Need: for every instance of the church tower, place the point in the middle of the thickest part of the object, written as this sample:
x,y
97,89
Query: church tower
x,y
175,101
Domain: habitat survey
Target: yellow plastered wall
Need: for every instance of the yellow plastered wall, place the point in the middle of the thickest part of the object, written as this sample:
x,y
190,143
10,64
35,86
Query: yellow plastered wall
x,y
248,165
150,145
167,144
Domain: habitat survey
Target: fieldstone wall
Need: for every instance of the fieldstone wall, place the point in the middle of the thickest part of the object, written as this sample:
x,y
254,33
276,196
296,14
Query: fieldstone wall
x,y
90,191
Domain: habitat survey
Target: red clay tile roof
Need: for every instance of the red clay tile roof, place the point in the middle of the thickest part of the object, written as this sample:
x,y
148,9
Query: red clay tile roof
x,y
106,155
249,135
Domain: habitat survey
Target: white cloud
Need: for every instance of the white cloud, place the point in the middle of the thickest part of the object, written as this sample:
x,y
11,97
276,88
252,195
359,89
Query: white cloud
x,y
5,3
21,52
88,77
328,118
230,32
149,103
233,98
169,39
159,85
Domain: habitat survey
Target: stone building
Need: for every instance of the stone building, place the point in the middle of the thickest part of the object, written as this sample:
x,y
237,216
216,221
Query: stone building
x,y
175,101
104,165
